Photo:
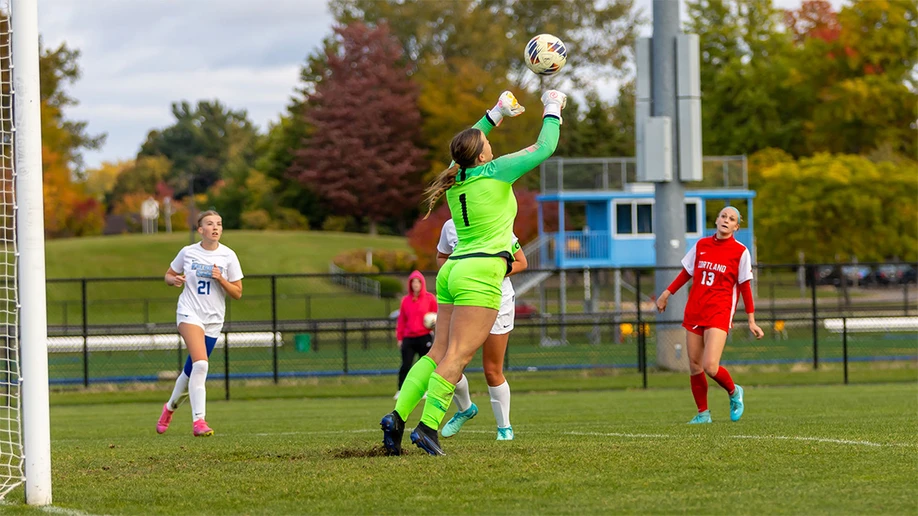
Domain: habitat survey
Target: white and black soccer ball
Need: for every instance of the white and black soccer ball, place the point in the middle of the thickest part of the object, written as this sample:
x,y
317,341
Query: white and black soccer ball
x,y
430,320
545,54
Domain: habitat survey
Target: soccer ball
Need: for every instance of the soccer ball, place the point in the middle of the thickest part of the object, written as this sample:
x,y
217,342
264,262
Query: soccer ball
x,y
545,54
430,320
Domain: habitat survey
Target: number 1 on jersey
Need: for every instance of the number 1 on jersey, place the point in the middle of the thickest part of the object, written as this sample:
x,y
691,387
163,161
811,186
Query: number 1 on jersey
x,y
203,287
465,210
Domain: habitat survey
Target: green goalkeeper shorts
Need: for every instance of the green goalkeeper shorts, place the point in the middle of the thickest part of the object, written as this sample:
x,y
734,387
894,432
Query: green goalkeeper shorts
x,y
471,282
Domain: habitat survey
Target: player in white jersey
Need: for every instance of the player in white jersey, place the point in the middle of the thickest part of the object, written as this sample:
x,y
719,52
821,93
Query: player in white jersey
x,y
494,349
206,272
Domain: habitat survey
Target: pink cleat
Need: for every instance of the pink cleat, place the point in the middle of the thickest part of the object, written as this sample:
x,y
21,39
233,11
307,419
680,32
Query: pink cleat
x,y
163,424
201,429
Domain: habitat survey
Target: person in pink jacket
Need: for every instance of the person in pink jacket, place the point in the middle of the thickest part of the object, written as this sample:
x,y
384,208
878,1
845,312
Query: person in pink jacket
x,y
413,337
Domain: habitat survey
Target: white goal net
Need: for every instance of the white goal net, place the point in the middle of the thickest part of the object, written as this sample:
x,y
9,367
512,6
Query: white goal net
x,y
11,453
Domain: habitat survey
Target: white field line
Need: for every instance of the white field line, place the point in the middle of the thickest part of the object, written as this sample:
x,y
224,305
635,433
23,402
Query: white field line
x,y
51,509
761,437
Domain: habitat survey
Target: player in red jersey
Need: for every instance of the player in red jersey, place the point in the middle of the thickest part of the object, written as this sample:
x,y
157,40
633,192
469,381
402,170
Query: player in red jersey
x,y
720,266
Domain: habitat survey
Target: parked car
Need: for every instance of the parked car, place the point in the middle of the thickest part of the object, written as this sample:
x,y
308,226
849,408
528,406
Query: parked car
x,y
834,274
893,274
525,310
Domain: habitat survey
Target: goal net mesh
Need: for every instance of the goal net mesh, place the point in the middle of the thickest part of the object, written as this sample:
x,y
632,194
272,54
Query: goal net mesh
x,y
11,456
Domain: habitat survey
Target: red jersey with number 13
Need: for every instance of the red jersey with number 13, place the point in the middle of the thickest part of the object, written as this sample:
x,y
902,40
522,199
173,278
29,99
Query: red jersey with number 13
x,y
717,267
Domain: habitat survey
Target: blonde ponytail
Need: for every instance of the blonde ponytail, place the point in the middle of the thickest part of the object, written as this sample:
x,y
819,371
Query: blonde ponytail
x,y
444,181
464,149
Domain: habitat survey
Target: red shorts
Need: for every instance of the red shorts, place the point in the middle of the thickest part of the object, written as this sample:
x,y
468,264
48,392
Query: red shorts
x,y
699,329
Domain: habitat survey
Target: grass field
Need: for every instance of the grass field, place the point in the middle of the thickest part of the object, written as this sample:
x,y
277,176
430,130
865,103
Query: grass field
x,y
260,252
800,450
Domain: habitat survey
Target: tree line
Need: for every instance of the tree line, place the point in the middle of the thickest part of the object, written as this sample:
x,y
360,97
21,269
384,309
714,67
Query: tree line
x,y
824,102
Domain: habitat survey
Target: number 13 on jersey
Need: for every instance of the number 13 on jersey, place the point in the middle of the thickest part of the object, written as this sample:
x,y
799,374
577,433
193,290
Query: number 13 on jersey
x,y
707,278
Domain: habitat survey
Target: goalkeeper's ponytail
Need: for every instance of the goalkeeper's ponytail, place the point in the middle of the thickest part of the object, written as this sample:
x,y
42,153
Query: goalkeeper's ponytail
x,y
441,184
464,148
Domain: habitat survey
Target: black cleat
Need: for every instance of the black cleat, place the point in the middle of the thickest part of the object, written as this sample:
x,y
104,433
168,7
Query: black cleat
x,y
425,438
393,427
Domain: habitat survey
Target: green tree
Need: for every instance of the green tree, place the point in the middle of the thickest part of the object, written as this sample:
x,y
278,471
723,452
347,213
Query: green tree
x,y
837,207
203,139
141,176
601,130
67,138
493,33
747,104
867,90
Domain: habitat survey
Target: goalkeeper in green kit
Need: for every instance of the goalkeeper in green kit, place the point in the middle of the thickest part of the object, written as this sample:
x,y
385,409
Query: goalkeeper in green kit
x,y
479,191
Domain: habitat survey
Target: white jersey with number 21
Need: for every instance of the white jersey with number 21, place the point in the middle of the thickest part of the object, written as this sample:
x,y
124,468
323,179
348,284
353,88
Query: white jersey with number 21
x,y
202,295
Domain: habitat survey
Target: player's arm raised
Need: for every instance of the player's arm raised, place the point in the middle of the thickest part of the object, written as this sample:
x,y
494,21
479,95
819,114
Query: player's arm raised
x,y
511,167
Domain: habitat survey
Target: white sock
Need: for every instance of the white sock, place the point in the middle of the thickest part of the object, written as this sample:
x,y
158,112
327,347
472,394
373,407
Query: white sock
x,y
461,395
179,393
196,390
500,404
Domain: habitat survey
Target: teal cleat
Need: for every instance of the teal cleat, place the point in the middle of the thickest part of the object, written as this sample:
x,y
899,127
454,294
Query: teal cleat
x,y
455,423
505,434
736,404
701,418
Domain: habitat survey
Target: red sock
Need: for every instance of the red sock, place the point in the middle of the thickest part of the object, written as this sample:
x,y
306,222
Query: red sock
x,y
700,391
723,379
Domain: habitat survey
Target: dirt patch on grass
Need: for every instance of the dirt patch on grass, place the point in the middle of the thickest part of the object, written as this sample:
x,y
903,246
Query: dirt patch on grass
x,y
361,453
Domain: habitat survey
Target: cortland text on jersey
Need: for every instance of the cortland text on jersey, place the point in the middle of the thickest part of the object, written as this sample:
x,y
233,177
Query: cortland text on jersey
x,y
711,266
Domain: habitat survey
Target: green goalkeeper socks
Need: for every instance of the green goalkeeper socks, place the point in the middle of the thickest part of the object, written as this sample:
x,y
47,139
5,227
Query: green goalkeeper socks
x,y
439,396
414,386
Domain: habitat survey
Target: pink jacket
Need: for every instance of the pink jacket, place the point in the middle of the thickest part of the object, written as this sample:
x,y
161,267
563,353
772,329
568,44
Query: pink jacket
x,y
410,321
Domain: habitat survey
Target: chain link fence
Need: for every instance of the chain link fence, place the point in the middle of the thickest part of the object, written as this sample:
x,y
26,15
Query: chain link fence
x,y
820,325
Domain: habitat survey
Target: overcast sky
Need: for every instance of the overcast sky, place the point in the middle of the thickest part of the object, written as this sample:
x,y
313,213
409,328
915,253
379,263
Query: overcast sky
x,y
139,56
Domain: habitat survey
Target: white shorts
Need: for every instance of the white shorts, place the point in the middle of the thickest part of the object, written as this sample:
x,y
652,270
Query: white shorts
x,y
505,315
189,317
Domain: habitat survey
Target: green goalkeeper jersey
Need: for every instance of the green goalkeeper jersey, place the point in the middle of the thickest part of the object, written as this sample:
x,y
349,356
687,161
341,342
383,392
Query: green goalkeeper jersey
x,y
482,203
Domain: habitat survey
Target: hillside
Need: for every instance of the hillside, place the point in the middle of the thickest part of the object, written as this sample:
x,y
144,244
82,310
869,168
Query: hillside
x,y
260,252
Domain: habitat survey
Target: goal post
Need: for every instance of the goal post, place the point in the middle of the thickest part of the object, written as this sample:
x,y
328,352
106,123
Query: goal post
x,y
30,240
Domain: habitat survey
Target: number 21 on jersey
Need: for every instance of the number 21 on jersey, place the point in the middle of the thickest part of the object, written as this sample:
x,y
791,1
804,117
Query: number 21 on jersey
x,y
204,287
707,278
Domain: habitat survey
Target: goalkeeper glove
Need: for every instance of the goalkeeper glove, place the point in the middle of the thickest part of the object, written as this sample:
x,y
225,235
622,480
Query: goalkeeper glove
x,y
554,102
507,105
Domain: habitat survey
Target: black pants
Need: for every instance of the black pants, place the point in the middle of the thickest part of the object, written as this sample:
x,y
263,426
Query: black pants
x,y
410,346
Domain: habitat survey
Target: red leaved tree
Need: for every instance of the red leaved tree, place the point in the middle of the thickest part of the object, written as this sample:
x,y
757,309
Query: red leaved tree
x,y
424,236
363,158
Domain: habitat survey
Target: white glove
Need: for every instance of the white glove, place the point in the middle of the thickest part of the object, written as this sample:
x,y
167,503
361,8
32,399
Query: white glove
x,y
554,102
507,105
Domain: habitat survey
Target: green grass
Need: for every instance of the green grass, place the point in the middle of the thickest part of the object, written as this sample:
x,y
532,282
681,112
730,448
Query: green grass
x,y
260,252
800,450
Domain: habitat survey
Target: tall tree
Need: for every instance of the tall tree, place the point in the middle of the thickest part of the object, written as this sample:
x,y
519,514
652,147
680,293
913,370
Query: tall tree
x,y
745,98
603,129
364,159
65,137
838,206
200,143
867,88
493,33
